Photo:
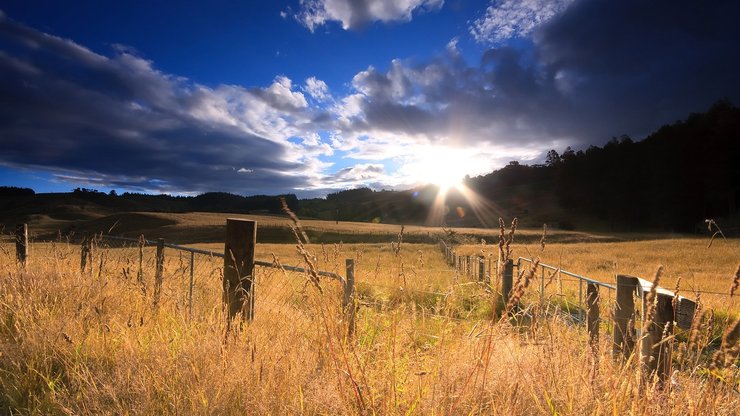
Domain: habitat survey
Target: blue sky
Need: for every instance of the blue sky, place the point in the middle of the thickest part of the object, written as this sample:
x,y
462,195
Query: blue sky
x,y
318,95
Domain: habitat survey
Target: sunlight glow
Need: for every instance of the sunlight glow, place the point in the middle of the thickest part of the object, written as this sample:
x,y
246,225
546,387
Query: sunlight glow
x,y
442,166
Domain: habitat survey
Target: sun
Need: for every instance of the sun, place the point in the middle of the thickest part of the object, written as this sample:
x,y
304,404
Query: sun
x,y
443,167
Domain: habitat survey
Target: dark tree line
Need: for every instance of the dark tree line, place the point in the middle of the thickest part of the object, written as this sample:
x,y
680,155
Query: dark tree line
x,y
671,180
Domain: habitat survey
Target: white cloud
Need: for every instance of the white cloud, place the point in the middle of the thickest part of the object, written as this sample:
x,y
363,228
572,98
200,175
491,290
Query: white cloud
x,y
282,95
317,89
356,13
506,19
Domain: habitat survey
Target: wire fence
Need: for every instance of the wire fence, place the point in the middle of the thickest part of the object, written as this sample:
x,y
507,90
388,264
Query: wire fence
x,y
190,281
185,281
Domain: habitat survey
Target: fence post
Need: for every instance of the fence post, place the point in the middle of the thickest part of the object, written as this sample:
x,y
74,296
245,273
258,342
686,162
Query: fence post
x,y
507,280
481,268
159,271
655,356
21,244
542,285
140,274
84,252
241,237
592,303
348,298
624,315
190,291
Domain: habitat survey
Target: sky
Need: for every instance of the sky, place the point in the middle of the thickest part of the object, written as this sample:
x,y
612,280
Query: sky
x,y
314,96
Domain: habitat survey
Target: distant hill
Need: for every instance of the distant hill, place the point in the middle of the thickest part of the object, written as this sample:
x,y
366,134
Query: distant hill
x,y
670,181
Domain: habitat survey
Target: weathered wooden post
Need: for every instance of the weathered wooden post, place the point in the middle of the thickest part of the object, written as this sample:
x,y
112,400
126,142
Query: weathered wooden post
x,y
542,285
655,355
592,305
507,280
85,252
140,273
481,268
241,237
348,298
21,244
624,315
159,271
190,289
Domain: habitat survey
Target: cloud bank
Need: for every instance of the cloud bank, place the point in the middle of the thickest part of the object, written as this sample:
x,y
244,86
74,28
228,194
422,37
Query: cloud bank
x,y
120,122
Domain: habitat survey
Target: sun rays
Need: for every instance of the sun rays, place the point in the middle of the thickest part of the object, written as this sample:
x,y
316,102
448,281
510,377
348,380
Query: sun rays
x,y
485,211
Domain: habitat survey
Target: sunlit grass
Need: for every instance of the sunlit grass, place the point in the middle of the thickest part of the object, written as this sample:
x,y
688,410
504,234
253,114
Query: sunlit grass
x,y
92,343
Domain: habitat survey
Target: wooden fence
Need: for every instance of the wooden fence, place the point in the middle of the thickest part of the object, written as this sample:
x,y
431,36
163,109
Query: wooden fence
x,y
238,267
239,290
668,310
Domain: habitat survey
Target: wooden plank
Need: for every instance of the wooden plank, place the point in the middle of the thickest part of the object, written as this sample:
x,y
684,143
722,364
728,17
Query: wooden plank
x,y
685,310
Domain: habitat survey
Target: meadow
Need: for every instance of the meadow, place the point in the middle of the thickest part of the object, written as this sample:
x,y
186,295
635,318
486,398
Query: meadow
x,y
427,340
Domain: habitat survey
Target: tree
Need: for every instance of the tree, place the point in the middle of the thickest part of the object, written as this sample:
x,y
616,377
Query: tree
x,y
553,158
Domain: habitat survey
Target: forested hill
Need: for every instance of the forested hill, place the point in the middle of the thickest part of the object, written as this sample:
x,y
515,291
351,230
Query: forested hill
x,y
672,180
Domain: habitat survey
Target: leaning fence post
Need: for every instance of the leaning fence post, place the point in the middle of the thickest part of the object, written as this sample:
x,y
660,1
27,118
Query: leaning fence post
x,y
21,244
241,238
624,315
159,271
348,298
655,354
507,280
592,303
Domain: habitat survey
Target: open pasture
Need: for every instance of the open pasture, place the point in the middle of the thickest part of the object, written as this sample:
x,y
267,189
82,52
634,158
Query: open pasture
x,y
427,339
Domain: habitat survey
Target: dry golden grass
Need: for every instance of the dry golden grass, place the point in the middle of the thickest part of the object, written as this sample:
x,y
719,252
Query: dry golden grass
x,y
700,268
74,343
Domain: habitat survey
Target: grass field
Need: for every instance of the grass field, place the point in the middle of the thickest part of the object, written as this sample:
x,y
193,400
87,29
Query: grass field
x,y
200,227
427,339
